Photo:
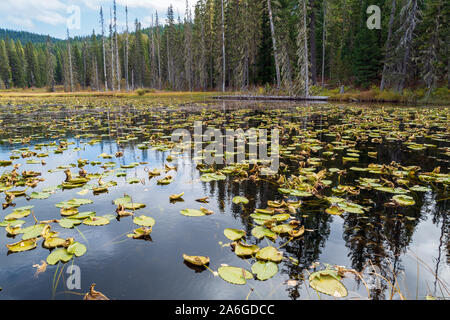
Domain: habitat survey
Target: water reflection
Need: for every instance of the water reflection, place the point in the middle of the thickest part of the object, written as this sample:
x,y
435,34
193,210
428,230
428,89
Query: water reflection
x,y
378,244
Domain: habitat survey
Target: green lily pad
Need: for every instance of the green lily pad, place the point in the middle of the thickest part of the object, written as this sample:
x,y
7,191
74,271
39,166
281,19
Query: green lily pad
x,y
57,255
208,177
23,245
282,228
350,207
420,189
54,242
96,221
328,282
40,195
82,215
234,234
245,250
122,200
269,253
404,200
32,231
12,223
133,206
69,223
239,200
144,221
76,248
192,213
334,210
234,275
264,269
140,233
260,231
17,214
73,203
294,192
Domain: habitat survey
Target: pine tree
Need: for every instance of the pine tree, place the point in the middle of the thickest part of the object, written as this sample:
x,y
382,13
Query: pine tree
x,y
5,69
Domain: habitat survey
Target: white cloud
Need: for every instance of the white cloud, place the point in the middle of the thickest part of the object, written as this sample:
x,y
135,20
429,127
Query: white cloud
x,y
24,12
21,22
151,5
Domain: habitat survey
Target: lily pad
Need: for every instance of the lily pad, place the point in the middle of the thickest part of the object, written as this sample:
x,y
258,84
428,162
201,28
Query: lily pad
x,y
260,231
192,213
239,200
234,275
96,221
245,250
264,269
234,234
76,248
269,253
23,245
196,260
403,200
144,221
328,282
57,255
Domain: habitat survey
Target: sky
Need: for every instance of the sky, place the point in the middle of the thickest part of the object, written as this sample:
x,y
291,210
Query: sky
x,y
54,17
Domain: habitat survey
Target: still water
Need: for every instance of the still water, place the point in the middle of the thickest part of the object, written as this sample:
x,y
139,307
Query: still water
x,y
413,251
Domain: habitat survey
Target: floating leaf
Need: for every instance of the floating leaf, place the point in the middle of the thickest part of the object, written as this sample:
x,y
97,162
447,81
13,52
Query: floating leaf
x,y
196,260
176,196
234,234
133,206
144,221
269,253
57,255
192,213
122,200
403,200
328,282
234,275
53,242
76,248
239,200
69,223
264,269
334,210
244,249
351,207
259,232
96,221
40,195
282,228
140,233
23,245
32,231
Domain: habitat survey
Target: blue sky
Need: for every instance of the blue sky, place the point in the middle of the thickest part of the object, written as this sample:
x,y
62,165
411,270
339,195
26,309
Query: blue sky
x,y
54,16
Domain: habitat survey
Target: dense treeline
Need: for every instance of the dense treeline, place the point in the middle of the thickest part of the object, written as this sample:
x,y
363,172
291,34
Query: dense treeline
x,y
237,44
25,36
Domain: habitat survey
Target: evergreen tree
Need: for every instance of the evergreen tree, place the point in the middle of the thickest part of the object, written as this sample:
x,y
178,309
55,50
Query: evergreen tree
x,y
5,69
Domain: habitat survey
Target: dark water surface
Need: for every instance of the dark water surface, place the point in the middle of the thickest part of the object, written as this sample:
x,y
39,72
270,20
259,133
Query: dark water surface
x,y
125,268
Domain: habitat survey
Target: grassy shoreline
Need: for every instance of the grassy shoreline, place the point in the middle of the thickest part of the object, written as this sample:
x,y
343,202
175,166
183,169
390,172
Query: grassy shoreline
x,y
440,96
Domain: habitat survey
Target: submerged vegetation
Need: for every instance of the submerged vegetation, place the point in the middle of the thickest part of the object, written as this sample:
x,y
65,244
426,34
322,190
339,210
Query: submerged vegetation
x,y
75,168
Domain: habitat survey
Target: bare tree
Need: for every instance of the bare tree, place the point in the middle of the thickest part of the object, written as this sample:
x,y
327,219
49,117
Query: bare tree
x,y
102,21
274,42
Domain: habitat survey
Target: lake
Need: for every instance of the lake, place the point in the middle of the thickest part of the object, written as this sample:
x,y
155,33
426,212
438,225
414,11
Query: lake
x,y
380,171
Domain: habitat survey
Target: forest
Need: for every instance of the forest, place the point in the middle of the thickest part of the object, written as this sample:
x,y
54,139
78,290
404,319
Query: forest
x,y
282,46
